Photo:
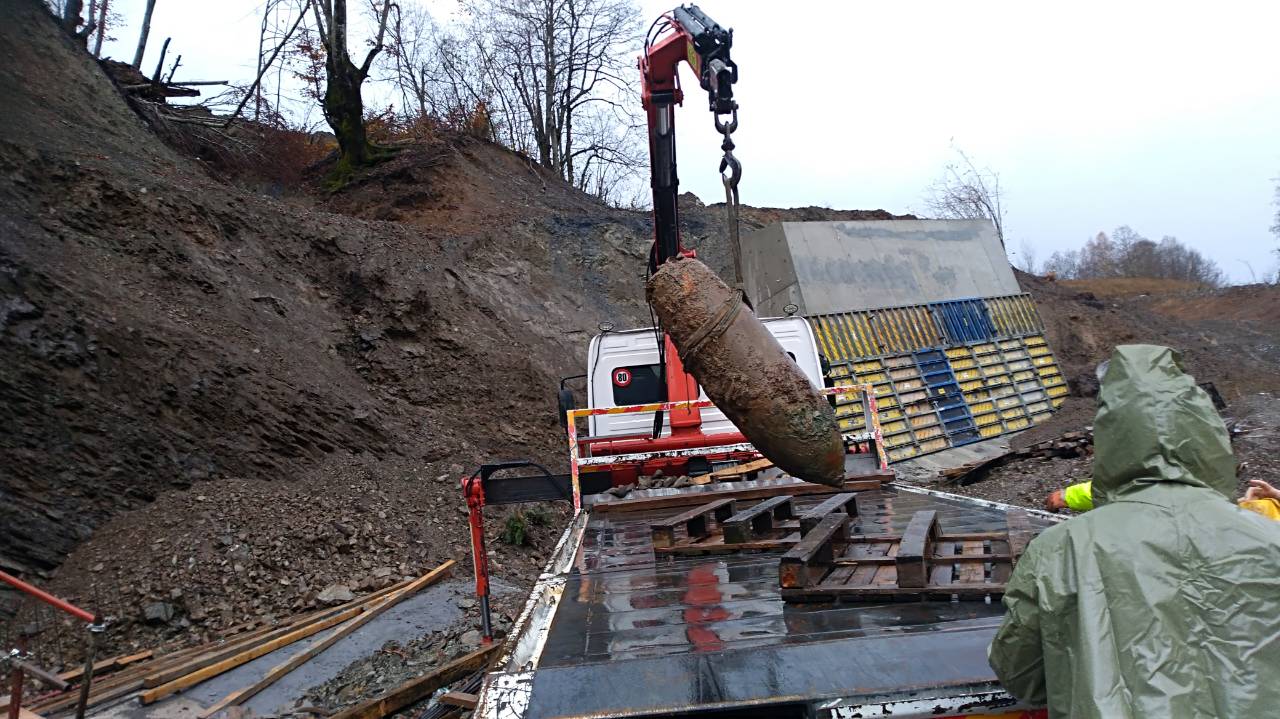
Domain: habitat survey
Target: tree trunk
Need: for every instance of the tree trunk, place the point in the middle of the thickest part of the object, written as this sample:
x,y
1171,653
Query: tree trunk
x,y
142,39
102,28
344,109
71,19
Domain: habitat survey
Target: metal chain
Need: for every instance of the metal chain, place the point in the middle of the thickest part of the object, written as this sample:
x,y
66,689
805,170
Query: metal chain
x,y
730,180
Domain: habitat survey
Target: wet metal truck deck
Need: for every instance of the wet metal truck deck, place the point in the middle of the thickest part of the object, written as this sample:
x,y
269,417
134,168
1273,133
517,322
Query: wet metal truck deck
x,y
613,629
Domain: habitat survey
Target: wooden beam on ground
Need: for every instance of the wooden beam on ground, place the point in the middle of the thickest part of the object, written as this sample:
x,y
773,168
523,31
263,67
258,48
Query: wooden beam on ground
x,y
106,665
742,470
419,688
236,646
131,679
246,656
460,699
312,652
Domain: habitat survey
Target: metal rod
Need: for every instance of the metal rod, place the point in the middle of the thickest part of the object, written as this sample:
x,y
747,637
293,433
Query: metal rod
x,y
485,625
15,692
48,598
47,678
82,703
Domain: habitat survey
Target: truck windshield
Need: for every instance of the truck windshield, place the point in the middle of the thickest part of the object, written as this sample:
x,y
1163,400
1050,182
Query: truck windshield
x,y
636,384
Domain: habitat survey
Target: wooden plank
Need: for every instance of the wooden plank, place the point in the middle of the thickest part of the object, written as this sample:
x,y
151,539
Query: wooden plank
x,y
943,569
741,469
315,650
914,549
459,699
887,574
1002,562
715,545
96,697
1019,532
663,534
971,572
839,576
933,559
860,483
220,651
805,564
846,502
248,655
754,522
419,688
27,714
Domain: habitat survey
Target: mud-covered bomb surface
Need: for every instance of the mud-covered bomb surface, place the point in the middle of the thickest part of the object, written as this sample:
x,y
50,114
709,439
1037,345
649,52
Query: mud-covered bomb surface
x,y
746,372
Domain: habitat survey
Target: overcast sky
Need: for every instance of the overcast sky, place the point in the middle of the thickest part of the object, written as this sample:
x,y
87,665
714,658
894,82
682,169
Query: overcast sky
x,y
1163,116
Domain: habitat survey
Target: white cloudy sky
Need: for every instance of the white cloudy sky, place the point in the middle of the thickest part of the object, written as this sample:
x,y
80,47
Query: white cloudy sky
x,y
1164,116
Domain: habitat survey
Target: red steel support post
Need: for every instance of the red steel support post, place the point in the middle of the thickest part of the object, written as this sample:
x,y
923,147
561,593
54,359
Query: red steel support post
x,y
15,692
474,491
96,627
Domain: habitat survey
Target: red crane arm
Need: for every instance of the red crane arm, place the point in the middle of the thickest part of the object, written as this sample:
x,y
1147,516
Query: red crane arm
x,y
685,34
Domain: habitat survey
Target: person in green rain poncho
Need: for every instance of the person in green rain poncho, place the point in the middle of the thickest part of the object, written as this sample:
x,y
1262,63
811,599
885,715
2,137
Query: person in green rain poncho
x,y
1164,601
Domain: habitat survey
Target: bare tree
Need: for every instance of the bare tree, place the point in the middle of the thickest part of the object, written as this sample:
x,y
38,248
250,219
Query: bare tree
x,y
265,63
564,59
966,193
72,22
343,105
412,60
1125,253
142,37
1026,257
102,25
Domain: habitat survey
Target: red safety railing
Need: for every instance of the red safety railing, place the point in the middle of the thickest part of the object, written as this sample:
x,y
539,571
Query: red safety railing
x,y
19,659
871,431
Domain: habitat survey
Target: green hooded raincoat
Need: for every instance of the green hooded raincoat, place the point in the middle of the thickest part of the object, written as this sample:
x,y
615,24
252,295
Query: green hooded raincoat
x,y
1165,600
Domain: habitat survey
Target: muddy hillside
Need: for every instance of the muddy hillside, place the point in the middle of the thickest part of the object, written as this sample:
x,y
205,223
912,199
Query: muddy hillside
x,y
163,331
223,398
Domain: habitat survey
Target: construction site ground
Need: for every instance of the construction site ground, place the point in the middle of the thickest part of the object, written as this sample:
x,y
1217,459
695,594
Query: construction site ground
x,y
224,395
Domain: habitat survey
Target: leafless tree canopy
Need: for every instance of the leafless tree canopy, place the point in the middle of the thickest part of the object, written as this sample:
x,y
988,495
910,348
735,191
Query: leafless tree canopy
x,y
554,78
1128,254
1275,228
966,193
1026,258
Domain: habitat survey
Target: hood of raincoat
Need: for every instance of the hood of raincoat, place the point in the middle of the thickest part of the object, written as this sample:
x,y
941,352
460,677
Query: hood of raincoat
x,y
1155,425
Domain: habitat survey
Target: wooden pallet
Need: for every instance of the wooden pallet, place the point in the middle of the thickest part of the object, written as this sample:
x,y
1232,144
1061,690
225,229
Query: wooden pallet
x,y
921,563
720,527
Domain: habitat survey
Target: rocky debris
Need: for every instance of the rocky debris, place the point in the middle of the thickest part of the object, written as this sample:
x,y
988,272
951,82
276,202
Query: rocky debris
x,y
334,594
157,613
1070,444
396,662
249,551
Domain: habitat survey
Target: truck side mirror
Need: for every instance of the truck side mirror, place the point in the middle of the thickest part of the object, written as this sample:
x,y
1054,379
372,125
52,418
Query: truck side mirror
x,y
565,402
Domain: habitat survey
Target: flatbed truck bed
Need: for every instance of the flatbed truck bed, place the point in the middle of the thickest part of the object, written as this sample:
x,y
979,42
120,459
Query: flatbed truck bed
x,y
613,630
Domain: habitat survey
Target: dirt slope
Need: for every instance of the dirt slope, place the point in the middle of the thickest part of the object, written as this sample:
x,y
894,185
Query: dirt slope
x,y
226,386
1228,337
160,328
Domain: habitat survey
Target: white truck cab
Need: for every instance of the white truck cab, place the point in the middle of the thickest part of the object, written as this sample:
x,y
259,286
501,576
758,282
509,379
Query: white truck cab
x,y
623,369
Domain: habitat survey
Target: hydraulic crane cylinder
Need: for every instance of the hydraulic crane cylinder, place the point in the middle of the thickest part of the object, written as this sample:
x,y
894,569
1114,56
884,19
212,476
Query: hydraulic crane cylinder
x,y
746,372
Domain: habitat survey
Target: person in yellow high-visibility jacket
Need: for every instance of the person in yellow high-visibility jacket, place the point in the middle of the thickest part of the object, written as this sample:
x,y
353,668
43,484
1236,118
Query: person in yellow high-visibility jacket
x,y
1261,497
1077,497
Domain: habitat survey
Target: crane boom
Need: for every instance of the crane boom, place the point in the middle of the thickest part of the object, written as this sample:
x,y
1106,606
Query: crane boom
x,y
685,34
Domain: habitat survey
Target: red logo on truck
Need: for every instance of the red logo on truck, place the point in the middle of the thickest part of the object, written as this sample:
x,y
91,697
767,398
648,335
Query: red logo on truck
x,y
621,377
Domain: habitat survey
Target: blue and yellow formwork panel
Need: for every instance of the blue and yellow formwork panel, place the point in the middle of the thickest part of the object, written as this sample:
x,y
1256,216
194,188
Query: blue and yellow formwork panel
x,y
945,373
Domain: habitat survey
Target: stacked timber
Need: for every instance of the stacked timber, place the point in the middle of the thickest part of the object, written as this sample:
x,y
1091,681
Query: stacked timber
x,y
153,675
